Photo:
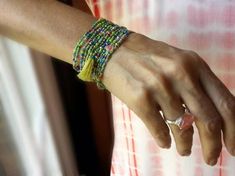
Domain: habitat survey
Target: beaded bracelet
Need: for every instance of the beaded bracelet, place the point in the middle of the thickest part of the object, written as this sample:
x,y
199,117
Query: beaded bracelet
x,y
92,52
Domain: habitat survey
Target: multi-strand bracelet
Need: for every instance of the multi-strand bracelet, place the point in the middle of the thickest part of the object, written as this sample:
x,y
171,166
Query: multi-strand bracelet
x,y
92,52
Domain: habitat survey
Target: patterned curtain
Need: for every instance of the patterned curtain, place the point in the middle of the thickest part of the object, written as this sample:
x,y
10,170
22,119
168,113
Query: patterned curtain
x,y
205,26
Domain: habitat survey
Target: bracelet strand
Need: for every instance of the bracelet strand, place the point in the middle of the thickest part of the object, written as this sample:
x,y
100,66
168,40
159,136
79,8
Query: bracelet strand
x,y
92,52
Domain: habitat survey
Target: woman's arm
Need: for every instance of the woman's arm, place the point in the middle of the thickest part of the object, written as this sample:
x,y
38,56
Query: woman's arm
x,y
46,25
146,75
53,28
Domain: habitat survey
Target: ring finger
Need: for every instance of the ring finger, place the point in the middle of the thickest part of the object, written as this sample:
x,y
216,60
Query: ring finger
x,y
171,105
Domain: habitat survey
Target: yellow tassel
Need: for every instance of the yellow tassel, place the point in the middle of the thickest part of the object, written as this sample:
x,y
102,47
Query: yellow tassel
x,y
86,71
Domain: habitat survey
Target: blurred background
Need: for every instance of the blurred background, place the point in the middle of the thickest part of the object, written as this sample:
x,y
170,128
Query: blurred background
x,y
27,145
51,123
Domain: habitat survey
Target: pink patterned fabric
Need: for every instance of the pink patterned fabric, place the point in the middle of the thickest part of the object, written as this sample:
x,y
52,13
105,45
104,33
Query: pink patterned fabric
x,y
205,26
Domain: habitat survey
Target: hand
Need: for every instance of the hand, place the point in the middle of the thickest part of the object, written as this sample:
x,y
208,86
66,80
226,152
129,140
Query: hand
x,y
149,76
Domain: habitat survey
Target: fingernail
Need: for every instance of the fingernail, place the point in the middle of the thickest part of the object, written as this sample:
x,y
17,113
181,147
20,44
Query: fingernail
x,y
168,145
232,152
186,152
212,162
163,139
164,144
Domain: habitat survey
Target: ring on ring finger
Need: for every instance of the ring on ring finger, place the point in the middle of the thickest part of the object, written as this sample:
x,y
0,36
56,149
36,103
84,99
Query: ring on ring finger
x,y
184,121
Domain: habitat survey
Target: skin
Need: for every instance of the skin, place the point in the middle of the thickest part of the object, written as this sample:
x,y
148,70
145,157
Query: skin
x,y
163,78
145,74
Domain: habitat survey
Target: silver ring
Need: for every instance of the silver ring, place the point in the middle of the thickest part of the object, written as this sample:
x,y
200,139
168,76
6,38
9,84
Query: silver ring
x,y
184,121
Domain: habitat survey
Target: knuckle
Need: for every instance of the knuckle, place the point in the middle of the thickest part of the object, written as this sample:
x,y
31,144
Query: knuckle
x,y
214,125
177,65
192,53
186,58
198,62
182,63
228,106
184,152
141,94
190,60
182,74
159,83
157,80
179,73
193,56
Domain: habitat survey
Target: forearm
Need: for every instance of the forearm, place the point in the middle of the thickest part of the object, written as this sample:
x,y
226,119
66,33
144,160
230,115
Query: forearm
x,y
45,25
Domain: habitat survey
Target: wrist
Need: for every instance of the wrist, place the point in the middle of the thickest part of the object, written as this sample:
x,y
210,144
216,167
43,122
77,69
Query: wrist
x,y
95,48
127,50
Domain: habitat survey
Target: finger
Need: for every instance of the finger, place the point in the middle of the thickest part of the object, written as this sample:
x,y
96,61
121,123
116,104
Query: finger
x,y
208,121
183,139
152,118
172,108
157,127
225,104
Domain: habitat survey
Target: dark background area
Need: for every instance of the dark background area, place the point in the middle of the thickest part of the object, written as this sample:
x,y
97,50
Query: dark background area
x,y
89,118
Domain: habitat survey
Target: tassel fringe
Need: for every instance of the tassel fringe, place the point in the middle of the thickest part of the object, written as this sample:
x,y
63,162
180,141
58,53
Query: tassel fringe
x,y
86,72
